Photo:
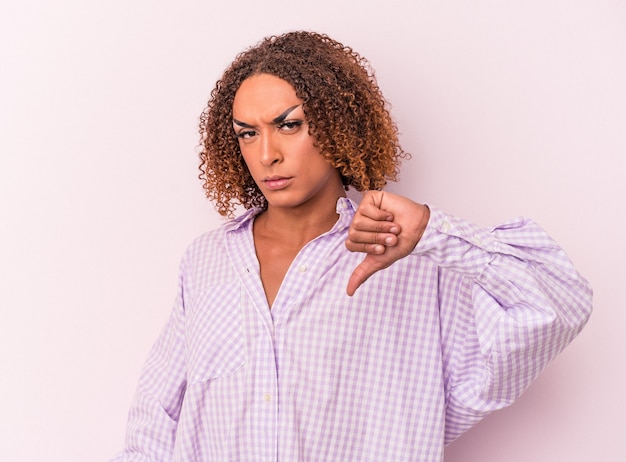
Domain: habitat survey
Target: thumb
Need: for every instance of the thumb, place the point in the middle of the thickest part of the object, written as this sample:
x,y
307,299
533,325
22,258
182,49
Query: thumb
x,y
369,265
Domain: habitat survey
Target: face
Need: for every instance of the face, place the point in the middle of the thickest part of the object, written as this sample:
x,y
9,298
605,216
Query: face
x,y
272,130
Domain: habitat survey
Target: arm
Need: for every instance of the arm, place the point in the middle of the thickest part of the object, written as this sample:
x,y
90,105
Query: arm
x,y
153,416
510,301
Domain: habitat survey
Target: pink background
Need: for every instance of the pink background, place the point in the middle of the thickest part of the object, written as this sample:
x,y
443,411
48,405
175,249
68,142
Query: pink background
x,y
509,108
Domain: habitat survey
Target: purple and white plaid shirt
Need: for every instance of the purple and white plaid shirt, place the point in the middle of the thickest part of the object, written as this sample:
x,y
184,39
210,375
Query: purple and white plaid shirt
x,y
423,350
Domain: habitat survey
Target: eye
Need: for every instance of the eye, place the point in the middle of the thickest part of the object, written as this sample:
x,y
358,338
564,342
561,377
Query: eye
x,y
289,125
246,134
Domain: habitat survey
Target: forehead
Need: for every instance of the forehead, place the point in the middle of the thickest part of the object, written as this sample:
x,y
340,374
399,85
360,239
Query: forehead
x,y
263,95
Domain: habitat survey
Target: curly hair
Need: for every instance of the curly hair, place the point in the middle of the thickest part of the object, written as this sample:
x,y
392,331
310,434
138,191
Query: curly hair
x,y
348,117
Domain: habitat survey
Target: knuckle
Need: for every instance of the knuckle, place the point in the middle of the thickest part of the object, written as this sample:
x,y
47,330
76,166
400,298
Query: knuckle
x,y
381,227
355,222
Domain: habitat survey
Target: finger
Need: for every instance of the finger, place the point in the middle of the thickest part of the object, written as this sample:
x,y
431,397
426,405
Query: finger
x,y
372,209
375,249
374,213
362,273
358,277
369,242
360,223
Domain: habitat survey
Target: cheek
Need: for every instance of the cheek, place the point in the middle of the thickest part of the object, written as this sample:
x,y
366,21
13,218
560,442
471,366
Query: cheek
x,y
245,161
248,169
308,149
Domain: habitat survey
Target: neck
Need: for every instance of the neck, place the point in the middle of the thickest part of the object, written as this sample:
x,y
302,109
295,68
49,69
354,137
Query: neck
x,y
297,226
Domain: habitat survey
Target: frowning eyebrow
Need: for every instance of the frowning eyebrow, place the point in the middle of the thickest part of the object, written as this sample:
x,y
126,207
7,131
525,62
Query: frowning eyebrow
x,y
276,120
284,115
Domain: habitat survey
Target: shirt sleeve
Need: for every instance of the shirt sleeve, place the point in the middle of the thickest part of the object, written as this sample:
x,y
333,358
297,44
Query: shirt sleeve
x,y
154,413
510,301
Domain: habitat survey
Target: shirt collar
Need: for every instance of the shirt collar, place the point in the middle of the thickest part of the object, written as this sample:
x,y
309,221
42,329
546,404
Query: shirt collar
x,y
346,208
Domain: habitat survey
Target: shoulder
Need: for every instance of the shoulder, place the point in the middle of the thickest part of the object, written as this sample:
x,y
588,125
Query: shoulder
x,y
207,256
205,244
214,240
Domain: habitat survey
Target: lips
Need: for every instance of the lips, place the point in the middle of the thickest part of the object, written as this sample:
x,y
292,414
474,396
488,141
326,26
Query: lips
x,y
274,183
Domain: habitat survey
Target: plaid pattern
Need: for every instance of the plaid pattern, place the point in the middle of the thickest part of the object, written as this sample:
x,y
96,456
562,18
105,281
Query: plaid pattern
x,y
424,349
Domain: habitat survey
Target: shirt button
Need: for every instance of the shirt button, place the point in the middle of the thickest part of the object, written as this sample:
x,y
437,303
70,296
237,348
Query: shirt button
x,y
267,397
302,268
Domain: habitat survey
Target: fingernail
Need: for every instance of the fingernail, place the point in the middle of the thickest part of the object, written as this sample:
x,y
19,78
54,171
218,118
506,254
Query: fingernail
x,y
389,240
393,230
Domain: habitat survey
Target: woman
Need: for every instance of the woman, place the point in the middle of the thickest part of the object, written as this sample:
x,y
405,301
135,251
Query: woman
x,y
285,343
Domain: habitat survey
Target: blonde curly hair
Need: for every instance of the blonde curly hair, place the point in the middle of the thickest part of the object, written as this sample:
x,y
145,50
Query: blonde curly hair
x,y
348,117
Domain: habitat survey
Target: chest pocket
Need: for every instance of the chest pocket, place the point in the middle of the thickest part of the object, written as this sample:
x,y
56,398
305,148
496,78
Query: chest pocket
x,y
214,330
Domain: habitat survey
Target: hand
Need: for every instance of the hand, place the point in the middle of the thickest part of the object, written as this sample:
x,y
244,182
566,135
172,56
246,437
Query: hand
x,y
387,227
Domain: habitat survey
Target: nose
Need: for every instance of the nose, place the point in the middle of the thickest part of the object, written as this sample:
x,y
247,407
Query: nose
x,y
270,152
